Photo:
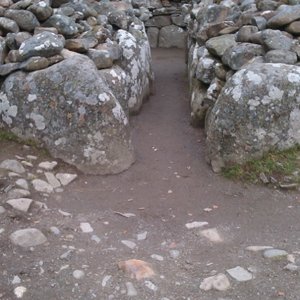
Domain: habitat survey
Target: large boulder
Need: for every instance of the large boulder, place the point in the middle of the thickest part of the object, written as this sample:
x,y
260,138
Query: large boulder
x,y
172,36
257,111
70,110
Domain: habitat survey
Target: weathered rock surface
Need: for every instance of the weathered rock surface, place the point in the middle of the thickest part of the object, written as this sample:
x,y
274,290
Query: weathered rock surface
x,y
172,36
29,237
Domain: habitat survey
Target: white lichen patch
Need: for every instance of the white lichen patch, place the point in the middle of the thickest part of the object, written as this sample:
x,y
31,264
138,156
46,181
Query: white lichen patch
x,y
255,78
275,94
7,111
293,77
60,141
104,97
38,120
31,98
119,114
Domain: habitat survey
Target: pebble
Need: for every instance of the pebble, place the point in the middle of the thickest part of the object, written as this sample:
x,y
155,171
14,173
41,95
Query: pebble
x,y
218,282
31,157
142,236
131,291
52,180
22,183
292,267
55,230
105,280
2,230
18,193
12,165
157,257
174,253
86,227
66,254
258,248
16,280
13,174
212,235
150,285
28,237
78,274
42,186
137,269
195,225
240,274
21,204
66,178
129,244
2,210
48,165
275,253
95,238
20,291
27,163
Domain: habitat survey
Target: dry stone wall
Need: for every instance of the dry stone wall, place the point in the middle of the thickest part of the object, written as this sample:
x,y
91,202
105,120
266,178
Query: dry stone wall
x,y
244,76
71,73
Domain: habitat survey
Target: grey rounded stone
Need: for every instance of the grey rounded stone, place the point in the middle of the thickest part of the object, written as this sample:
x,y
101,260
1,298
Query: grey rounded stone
x,y
28,237
275,253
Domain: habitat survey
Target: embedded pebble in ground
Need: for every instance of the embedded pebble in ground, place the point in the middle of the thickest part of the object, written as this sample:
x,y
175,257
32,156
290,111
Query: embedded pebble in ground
x,y
22,183
47,165
12,165
150,285
42,186
142,236
129,244
55,230
16,280
95,238
195,225
20,291
21,204
275,253
212,235
66,178
31,157
2,210
131,291
240,274
292,267
218,282
78,274
86,227
258,248
105,280
157,257
174,253
136,268
52,180
28,237
27,164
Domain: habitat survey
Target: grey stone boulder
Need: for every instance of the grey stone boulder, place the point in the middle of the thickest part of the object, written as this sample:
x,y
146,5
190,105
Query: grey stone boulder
x,y
205,70
44,44
118,19
172,36
101,58
245,33
8,25
178,19
159,21
136,62
71,111
41,10
256,111
276,40
236,56
281,56
153,33
65,25
294,28
24,18
218,45
285,16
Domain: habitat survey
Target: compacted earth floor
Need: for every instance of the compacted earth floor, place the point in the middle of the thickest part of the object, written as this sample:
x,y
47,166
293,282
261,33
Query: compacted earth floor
x,y
168,210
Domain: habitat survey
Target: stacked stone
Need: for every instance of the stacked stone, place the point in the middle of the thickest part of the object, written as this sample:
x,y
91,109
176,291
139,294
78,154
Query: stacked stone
x,y
166,22
234,35
71,73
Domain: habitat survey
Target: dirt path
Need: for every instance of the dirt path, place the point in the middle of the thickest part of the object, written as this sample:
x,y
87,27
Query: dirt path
x,y
169,186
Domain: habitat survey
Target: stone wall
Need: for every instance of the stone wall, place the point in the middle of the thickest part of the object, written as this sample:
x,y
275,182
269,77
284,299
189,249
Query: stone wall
x,y
244,77
71,73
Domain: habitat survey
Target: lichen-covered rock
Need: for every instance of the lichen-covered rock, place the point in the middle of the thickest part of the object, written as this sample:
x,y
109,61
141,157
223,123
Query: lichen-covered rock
x,y
63,24
69,108
218,45
257,111
24,18
286,15
172,36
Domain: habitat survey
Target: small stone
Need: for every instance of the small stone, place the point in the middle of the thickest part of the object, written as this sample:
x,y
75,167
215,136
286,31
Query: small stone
x,y
142,236
12,165
174,253
258,248
150,285
86,227
27,163
157,257
55,230
131,291
129,244
42,186
28,237
18,193
212,235
95,238
195,225
2,210
64,213
22,183
21,204
16,280
52,180
218,282
20,291
47,165
66,178
292,267
105,280
78,274
13,174
275,253
66,254
240,274
137,269
31,157
263,178
2,230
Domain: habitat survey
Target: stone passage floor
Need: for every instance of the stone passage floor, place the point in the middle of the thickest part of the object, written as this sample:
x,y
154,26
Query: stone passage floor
x,y
195,235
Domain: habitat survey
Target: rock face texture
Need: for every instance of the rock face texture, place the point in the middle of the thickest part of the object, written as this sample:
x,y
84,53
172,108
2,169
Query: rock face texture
x,y
71,73
244,77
